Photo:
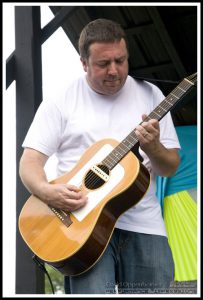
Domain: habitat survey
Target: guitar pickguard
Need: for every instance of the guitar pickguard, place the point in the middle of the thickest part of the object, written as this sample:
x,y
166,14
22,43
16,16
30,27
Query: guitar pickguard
x,y
95,196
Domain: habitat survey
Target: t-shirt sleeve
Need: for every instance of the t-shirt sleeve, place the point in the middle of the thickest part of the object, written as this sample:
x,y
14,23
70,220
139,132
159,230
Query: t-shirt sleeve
x,y
168,135
45,132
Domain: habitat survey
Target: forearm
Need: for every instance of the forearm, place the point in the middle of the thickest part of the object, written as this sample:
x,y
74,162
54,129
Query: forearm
x,y
32,174
164,161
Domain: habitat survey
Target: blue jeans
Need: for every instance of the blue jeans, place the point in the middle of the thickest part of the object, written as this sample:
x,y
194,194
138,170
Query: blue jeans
x,y
135,262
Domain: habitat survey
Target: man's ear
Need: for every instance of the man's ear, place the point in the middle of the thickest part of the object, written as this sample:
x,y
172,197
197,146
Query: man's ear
x,y
84,63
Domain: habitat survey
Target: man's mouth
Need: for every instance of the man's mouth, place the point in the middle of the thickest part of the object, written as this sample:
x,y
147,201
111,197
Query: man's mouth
x,y
112,81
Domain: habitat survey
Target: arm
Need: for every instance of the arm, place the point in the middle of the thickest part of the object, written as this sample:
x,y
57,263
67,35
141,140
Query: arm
x,y
164,161
33,176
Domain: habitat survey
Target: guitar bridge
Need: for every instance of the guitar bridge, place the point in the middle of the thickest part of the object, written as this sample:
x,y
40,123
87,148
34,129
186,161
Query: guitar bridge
x,y
63,217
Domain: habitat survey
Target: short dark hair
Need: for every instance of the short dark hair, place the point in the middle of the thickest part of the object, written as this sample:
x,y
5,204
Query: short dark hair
x,y
99,30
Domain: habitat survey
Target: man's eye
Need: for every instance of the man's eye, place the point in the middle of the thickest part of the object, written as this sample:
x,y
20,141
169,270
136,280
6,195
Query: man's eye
x,y
102,64
120,61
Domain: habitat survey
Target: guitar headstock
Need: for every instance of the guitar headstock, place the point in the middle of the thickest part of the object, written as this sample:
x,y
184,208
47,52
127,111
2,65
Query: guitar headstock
x,y
192,78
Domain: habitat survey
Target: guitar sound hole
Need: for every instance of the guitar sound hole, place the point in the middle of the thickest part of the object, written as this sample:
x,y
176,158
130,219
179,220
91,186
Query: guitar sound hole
x,y
93,181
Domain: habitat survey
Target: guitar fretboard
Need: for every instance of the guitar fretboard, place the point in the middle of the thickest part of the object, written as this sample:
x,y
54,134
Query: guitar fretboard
x,y
158,113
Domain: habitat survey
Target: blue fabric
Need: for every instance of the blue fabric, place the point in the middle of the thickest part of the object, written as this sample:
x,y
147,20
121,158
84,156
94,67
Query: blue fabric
x,y
136,262
186,174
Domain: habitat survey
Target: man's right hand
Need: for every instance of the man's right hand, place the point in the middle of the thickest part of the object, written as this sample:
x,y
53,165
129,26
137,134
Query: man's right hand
x,y
63,196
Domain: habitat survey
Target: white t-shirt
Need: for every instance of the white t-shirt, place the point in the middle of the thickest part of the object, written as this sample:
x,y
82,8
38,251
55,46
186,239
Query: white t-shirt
x,y
68,125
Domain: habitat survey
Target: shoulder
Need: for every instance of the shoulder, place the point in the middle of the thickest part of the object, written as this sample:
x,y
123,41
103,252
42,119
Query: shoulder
x,y
146,90
65,98
143,84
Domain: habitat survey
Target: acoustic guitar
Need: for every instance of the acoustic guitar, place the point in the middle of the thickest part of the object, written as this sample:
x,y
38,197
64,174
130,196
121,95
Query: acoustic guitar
x,y
114,180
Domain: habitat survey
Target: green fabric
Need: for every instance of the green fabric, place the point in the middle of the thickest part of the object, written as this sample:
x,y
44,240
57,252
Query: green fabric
x,y
180,216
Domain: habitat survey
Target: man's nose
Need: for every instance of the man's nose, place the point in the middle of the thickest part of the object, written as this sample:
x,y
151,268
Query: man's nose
x,y
112,69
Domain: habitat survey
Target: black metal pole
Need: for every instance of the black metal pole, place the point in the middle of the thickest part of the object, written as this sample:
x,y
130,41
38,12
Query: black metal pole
x,y
28,75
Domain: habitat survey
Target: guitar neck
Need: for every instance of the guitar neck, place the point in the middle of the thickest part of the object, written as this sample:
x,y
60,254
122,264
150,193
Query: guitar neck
x,y
158,113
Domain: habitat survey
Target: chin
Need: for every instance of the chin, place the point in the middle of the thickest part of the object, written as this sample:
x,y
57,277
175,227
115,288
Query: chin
x,y
108,90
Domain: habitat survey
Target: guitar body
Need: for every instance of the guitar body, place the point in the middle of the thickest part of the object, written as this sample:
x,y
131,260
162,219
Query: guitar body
x,y
73,246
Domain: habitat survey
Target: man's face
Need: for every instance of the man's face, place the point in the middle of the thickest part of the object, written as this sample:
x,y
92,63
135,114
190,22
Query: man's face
x,y
107,66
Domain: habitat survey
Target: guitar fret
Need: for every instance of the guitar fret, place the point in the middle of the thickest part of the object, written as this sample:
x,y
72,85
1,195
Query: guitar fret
x,y
111,163
117,154
159,109
181,89
114,158
129,143
156,114
169,103
188,81
120,151
125,146
132,138
174,96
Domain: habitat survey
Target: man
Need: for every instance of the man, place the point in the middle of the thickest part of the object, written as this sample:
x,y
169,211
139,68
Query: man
x,y
107,103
